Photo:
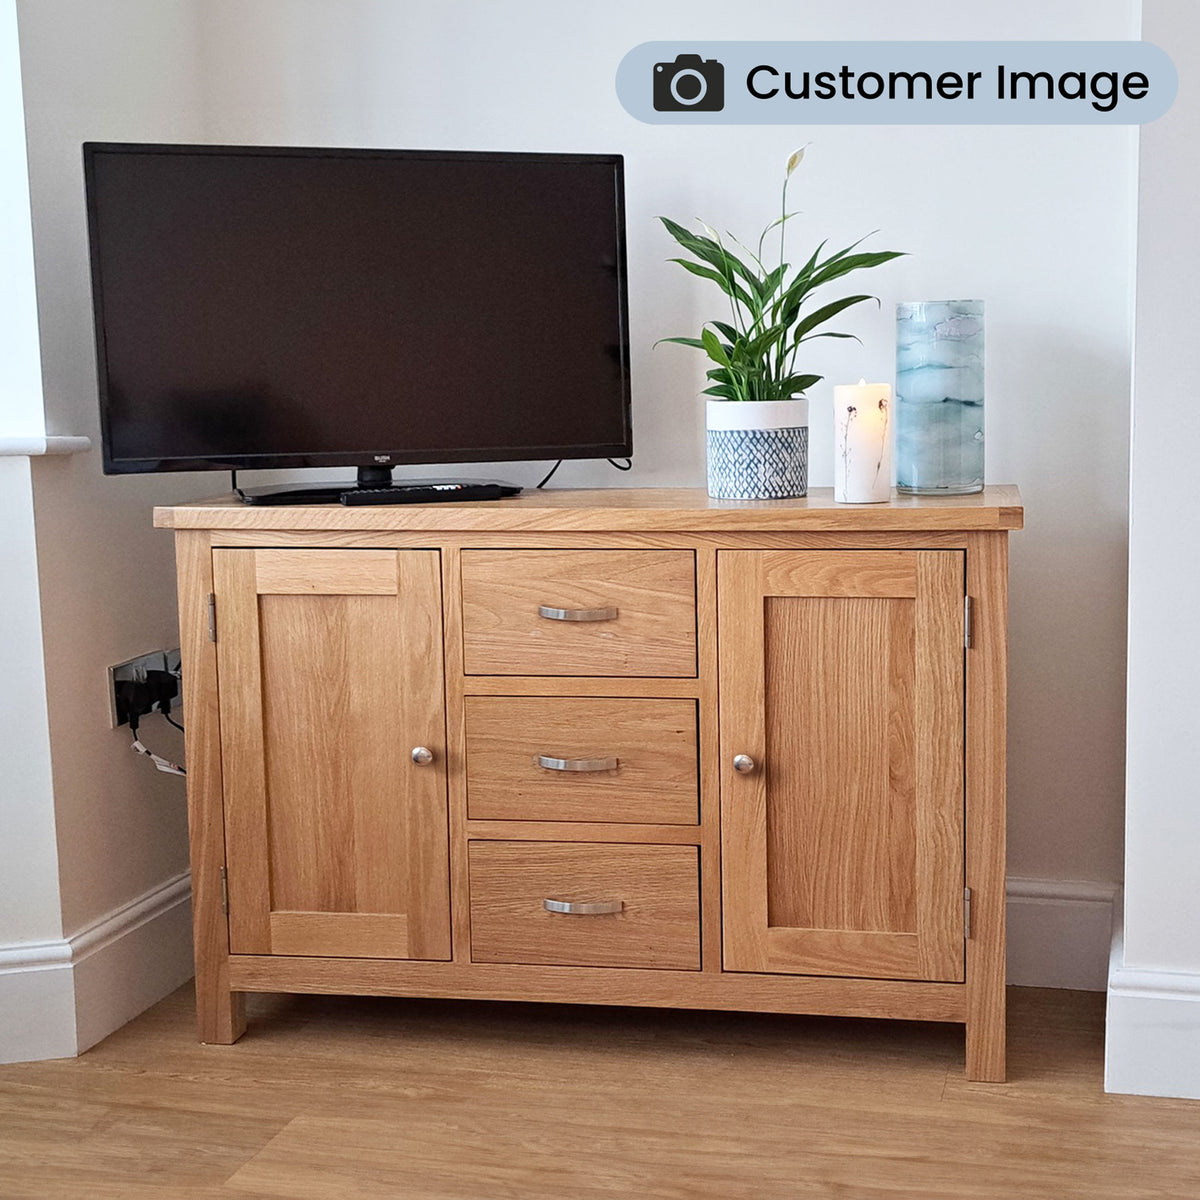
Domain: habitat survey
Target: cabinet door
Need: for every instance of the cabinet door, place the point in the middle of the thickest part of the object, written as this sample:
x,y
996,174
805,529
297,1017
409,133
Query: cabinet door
x,y
329,674
842,680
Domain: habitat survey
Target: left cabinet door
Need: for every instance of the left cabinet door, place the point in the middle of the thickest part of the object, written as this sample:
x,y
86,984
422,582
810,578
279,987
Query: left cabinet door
x,y
329,667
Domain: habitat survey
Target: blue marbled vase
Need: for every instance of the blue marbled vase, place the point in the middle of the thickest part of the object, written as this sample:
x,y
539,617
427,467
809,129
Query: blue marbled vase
x,y
939,397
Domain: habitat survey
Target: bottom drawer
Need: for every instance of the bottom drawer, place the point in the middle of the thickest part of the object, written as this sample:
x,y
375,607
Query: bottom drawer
x,y
629,905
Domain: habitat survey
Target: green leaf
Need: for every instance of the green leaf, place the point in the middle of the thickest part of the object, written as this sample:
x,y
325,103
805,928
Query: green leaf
x,y
826,313
834,269
812,337
723,390
695,343
714,348
795,384
726,330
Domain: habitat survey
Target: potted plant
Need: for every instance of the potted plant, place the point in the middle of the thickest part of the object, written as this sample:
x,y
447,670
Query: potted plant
x,y
757,412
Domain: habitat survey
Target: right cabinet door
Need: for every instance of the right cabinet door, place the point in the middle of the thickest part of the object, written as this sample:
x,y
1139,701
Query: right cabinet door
x,y
841,715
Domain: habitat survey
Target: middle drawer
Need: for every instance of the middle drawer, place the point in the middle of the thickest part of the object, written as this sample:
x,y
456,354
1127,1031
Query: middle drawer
x,y
574,758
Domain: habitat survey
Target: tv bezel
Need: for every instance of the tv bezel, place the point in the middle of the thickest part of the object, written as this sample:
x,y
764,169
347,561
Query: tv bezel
x,y
381,456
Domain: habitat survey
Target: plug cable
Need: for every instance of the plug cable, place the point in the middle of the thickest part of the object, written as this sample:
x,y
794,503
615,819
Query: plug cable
x,y
162,764
612,462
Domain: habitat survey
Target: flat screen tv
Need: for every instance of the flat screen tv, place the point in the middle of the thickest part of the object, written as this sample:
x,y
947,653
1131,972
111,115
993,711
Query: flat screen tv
x,y
268,307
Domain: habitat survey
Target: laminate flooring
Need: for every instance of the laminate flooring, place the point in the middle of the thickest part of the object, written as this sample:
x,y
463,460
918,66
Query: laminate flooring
x,y
327,1098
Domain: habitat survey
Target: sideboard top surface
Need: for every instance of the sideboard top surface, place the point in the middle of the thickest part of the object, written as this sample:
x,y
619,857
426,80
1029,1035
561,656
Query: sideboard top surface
x,y
646,510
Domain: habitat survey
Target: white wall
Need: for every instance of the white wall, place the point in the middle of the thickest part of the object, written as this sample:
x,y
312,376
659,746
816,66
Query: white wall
x,y
1154,994
1038,220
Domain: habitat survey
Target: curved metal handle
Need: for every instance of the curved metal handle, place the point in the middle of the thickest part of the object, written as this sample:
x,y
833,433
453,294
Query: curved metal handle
x,y
576,614
422,756
577,764
586,908
743,764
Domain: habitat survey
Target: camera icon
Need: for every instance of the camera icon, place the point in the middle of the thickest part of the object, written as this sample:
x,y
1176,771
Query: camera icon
x,y
689,84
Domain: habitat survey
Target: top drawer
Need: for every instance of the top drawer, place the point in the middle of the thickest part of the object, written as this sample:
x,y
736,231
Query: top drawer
x,y
579,612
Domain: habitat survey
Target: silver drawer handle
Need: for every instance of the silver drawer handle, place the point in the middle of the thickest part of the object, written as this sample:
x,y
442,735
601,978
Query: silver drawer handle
x,y
576,614
584,908
577,764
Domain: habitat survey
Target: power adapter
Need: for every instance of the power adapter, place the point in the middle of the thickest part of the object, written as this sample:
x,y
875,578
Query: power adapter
x,y
136,698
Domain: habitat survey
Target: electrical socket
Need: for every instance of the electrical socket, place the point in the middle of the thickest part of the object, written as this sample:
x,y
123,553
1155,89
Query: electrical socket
x,y
134,670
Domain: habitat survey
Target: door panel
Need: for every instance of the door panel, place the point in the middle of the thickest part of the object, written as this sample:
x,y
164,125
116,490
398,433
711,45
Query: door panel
x,y
330,672
841,676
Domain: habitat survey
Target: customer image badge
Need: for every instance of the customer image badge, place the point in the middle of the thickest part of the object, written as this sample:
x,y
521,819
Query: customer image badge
x,y
690,83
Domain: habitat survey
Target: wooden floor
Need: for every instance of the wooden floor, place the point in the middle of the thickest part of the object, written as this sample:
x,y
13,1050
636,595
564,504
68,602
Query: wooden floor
x,y
328,1098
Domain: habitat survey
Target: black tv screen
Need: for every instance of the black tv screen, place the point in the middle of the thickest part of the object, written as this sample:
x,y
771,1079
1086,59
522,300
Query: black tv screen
x,y
272,307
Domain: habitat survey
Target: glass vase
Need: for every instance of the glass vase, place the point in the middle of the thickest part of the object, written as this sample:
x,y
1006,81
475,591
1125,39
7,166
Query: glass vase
x,y
939,397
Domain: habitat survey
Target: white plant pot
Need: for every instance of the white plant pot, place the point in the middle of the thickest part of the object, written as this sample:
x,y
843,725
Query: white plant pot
x,y
757,449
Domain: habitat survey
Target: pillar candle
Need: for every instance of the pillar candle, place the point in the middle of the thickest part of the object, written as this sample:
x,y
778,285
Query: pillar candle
x,y
862,447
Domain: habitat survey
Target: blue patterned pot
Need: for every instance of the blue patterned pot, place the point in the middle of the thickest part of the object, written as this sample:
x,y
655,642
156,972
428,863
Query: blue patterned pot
x,y
757,449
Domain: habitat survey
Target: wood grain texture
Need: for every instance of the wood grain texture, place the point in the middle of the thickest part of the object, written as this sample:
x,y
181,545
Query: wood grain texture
x,y
840,740
220,1013
456,764
732,539
939,717
843,848
341,934
815,995
839,573
987,702
585,831
710,761
426,1100
243,751
318,572
658,887
653,592
323,696
653,742
595,685
688,510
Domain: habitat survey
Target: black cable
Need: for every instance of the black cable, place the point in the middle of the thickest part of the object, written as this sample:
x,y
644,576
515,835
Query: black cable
x,y
627,467
550,473
171,721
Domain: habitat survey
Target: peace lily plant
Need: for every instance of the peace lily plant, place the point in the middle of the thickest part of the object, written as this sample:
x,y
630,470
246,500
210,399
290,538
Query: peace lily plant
x,y
759,451
755,351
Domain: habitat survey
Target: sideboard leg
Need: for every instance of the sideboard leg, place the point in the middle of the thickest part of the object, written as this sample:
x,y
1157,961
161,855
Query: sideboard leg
x,y
986,1048
220,1013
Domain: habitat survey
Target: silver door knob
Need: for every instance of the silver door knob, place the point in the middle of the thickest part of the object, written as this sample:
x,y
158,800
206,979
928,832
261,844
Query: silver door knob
x,y
422,756
743,764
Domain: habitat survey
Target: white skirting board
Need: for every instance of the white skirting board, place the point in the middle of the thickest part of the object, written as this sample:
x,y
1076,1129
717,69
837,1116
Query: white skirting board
x,y
1152,1039
59,998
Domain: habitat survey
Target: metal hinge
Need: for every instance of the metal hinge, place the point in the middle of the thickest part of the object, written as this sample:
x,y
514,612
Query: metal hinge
x,y
966,622
224,892
966,914
212,617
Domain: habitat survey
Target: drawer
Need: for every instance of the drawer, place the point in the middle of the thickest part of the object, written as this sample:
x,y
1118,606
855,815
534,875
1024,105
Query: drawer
x,y
656,890
574,758
579,612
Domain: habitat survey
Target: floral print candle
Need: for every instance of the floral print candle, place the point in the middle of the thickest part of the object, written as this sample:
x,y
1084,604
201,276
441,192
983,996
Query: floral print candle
x,y
862,450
